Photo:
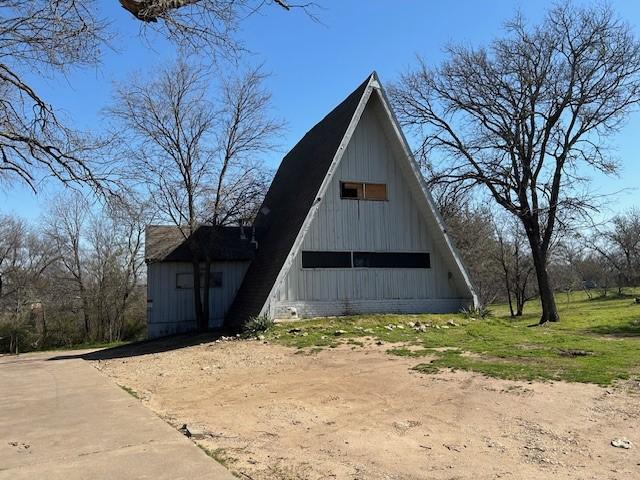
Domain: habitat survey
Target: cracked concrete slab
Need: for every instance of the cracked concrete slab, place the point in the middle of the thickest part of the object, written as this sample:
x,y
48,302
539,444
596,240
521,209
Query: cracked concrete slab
x,y
62,419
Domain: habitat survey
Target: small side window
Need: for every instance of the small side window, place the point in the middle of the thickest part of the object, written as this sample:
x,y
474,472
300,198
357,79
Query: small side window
x,y
184,281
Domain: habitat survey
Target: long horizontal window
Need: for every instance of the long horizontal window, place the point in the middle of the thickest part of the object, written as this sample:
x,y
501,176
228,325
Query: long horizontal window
x,y
311,259
363,191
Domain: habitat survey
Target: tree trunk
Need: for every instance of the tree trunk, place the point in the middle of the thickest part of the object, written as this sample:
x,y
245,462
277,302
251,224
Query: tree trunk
x,y
509,296
197,294
205,297
549,309
85,310
520,300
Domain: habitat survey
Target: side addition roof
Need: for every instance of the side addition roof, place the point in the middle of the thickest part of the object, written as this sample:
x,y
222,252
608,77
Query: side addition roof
x,y
165,243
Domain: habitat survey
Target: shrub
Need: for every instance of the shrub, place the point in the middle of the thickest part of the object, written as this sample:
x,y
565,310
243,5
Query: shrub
x,y
474,313
257,325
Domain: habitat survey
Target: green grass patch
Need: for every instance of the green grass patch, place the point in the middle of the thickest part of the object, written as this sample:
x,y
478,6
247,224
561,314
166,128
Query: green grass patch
x,y
595,341
130,391
220,455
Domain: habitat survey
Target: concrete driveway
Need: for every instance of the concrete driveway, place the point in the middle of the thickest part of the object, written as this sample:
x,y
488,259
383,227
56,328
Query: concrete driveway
x,y
62,419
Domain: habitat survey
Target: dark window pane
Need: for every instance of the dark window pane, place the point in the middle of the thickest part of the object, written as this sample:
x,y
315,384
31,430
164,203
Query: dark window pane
x,y
391,260
351,190
326,259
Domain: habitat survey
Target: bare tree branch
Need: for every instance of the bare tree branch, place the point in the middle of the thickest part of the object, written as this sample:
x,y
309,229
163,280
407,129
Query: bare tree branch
x,y
521,117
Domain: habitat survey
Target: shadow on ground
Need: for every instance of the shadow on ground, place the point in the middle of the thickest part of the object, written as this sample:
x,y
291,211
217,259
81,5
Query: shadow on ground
x,y
613,297
629,329
146,347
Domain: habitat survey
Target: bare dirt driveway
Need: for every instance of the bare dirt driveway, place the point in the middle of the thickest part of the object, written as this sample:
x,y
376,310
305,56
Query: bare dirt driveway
x,y
271,412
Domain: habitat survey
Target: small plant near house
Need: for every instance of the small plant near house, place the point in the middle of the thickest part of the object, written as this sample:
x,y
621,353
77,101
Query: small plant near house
x,y
257,325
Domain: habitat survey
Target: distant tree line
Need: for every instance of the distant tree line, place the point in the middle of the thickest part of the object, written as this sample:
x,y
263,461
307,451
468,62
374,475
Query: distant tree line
x,y
600,260
76,276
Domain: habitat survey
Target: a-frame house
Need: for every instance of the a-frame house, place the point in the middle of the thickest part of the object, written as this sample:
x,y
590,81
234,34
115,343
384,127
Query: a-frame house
x,y
348,226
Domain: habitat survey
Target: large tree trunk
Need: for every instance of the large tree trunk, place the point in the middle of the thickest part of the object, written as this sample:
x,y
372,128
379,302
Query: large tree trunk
x,y
549,309
197,294
85,309
205,297
520,299
508,286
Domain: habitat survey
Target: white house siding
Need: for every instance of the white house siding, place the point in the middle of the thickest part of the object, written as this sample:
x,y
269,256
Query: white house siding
x,y
170,310
396,225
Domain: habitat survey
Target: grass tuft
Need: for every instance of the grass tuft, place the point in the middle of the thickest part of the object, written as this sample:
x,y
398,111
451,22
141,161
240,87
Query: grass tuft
x,y
220,455
130,391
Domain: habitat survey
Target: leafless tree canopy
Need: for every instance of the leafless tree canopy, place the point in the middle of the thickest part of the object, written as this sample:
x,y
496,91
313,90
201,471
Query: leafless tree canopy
x,y
76,277
48,37
523,116
197,158
203,24
42,37
618,245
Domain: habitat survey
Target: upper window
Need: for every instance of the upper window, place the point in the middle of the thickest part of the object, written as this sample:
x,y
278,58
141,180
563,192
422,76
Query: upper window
x,y
363,191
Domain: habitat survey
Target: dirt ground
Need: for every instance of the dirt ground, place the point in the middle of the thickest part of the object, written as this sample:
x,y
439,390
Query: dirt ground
x,y
359,413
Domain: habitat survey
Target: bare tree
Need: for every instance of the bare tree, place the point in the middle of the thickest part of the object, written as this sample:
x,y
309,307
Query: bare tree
x,y
523,116
618,244
24,259
114,263
44,37
514,256
64,225
51,37
197,157
479,250
198,24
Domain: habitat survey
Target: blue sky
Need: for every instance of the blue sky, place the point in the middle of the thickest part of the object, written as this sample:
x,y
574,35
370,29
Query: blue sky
x,y
314,66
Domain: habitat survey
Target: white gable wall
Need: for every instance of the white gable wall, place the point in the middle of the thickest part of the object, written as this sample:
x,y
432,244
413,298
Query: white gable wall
x,y
397,225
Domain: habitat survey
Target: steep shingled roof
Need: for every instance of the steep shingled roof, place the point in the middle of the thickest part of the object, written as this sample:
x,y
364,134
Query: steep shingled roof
x,y
288,201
